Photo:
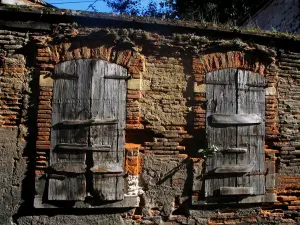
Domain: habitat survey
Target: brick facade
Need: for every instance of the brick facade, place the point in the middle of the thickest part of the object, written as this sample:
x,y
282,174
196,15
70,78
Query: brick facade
x,y
165,124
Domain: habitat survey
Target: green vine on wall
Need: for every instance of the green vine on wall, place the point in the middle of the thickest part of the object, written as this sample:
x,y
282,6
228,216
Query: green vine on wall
x,y
209,151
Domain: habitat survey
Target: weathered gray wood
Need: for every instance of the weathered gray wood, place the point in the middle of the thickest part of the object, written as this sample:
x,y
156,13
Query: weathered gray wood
x,y
89,122
236,111
221,100
234,150
98,106
109,101
67,189
239,119
39,202
257,132
234,169
243,131
65,76
78,147
236,191
70,102
69,167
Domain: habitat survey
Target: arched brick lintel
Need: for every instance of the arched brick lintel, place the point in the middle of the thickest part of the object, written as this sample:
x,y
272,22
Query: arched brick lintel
x,y
133,61
223,60
239,60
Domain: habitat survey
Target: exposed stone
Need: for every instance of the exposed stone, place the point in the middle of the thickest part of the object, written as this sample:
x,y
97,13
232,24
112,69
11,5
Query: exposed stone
x,y
46,81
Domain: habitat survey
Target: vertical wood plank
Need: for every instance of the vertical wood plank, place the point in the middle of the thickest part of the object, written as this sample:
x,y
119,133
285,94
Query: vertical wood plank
x,y
70,102
257,132
243,138
112,101
221,95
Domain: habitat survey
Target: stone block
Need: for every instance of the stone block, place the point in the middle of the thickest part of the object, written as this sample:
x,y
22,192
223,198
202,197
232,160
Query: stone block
x,y
135,84
271,91
146,85
199,88
138,84
46,81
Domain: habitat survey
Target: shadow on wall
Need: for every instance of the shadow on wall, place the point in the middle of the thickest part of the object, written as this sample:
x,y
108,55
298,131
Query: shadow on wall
x,y
28,118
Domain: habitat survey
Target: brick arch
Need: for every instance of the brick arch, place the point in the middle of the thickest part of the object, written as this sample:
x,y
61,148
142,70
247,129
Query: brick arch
x,y
133,61
223,60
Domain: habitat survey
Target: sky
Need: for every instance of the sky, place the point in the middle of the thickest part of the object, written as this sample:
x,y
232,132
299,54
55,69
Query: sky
x,y
84,4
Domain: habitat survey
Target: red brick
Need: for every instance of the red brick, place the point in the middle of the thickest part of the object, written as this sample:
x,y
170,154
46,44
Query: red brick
x,y
44,133
44,107
45,112
46,89
44,120
43,59
43,129
43,143
45,97
43,147
44,102
43,138
46,93
44,116
46,125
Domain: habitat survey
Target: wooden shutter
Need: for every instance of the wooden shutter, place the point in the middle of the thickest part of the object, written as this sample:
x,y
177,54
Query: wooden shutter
x,y
87,136
235,125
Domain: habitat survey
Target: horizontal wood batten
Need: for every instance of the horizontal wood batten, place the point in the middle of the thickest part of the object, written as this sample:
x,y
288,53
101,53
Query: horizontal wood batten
x,y
234,150
236,119
234,169
69,167
78,147
257,85
236,191
106,169
64,76
89,122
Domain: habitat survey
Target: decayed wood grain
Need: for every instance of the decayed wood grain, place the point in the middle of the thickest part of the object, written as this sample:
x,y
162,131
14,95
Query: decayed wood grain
x,y
111,102
234,150
78,147
239,119
65,76
234,169
70,102
69,167
90,112
221,100
236,191
253,102
236,109
89,122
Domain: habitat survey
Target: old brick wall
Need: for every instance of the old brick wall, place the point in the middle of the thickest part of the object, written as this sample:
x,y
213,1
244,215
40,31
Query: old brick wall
x,y
16,127
165,121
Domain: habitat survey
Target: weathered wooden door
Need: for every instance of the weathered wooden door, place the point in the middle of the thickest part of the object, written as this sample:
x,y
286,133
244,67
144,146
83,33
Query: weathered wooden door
x,y
235,125
87,135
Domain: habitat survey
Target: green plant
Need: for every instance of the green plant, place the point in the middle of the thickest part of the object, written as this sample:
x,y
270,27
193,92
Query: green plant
x,y
209,151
